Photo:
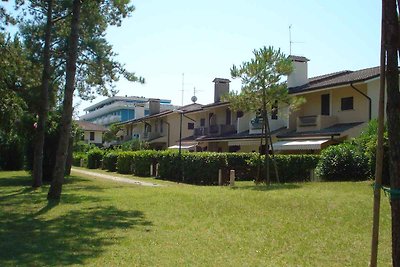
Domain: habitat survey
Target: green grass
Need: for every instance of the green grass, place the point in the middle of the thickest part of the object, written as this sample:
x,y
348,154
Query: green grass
x,y
103,223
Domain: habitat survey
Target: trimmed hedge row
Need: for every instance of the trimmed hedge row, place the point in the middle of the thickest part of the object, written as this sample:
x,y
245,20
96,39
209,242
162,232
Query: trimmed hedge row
x,y
77,157
202,168
198,168
95,156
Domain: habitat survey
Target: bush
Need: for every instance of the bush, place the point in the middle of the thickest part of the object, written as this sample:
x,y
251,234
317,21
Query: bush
x,y
95,157
169,165
291,168
11,155
142,161
110,160
124,162
202,168
344,162
77,157
240,163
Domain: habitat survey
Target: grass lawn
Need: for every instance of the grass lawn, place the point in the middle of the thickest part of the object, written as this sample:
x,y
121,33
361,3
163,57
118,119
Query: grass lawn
x,y
104,223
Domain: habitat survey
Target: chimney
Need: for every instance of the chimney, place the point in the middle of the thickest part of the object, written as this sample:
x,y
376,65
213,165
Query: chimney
x,y
299,75
154,106
221,87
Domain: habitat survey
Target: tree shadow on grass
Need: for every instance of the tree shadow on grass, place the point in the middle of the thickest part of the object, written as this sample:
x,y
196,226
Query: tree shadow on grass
x,y
264,187
71,238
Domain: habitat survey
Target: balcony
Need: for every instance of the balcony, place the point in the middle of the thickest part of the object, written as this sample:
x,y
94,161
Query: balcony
x,y
314,122
256,125
200,131
148,136
221,129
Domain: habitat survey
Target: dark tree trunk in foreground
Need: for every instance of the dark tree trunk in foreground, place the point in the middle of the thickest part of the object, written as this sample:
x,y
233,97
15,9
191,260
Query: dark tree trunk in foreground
x,y
393,117
266,159
68,163
44,102
66,119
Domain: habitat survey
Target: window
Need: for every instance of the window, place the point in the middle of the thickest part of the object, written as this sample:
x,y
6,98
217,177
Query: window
x,y
190,125
202,122
347,103
161,126
91,136
325,104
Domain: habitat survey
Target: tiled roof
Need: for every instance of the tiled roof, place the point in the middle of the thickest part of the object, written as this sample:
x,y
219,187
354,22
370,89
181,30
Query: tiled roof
x,y
89,126
336,79
336,129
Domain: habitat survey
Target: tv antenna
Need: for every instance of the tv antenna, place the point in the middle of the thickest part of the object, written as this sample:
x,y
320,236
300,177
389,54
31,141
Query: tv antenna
x,y
290,40
194,97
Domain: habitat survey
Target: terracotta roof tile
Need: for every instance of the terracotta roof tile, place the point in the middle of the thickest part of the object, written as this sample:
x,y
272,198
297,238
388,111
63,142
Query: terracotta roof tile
x,y
336,79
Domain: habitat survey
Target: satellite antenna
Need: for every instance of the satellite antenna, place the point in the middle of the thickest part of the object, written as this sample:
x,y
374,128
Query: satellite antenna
x,y
194,97
290,40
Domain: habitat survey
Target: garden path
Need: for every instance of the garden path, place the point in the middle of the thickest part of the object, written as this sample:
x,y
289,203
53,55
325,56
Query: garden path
x,y
112,177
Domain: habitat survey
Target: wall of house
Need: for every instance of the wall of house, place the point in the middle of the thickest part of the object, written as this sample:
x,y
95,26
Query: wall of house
x,y
174,120
359,113
98,137
361,103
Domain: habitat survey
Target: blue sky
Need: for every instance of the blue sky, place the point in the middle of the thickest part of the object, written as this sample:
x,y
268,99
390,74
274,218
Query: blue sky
x,y
203,39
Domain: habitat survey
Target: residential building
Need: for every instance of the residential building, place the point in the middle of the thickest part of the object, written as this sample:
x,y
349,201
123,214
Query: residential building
x,y
337,107
92,133
119,109
213,127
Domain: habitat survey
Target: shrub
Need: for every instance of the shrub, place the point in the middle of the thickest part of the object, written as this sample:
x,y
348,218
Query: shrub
x,y
95,157
77,157
11,155
202,168
124,162
344,162
240,163
169,165
110,160
142,161
291,168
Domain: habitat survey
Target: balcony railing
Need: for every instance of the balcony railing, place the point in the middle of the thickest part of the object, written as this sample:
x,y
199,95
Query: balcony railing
x,y
315,122
305,121
200,131
221,129
148,136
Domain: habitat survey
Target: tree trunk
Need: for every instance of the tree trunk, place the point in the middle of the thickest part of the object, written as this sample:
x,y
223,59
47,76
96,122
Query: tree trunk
x,y
393,115
273,153
66,119
379,148
266,159
68,163
44,102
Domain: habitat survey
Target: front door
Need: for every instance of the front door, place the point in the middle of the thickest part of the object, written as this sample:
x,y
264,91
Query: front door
x,y
325,104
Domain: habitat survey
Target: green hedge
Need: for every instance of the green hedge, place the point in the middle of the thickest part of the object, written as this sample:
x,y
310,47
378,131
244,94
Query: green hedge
x,y
202,168
136,162
124,162
110,160
291,168
77,157
344,162
95,156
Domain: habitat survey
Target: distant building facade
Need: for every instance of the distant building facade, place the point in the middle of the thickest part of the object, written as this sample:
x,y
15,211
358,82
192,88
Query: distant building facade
x,y
124,108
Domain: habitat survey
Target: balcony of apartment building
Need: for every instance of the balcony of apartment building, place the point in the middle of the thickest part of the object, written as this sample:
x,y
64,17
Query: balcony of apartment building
x,y
214,130
314,122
